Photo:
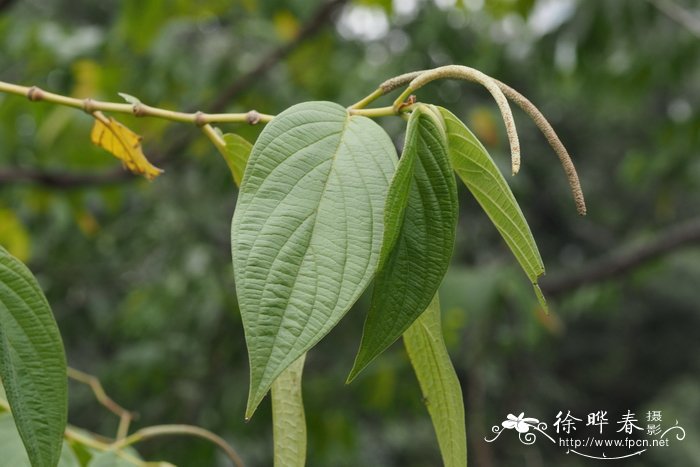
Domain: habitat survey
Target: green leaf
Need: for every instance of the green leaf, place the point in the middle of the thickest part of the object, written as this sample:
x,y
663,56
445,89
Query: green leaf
x,y
13,452
420,224
111,459
307,231
236,155
32,362
288,419
129,98
439,384
479,173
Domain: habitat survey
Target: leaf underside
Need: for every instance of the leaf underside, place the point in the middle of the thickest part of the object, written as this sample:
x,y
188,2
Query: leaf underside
x,y
32,362
438,381
307,231
14,455
480,174
288,419
420,224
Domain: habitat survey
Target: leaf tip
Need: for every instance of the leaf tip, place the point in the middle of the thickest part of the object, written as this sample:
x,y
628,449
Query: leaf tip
x,y
251,408
249,411
351,376
255,396
365,356
129,98
540,297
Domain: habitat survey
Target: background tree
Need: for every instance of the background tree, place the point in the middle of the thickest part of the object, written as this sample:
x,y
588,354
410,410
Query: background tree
x,y
139,274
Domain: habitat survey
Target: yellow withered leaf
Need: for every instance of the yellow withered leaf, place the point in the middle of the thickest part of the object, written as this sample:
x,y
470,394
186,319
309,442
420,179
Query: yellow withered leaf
x,y
123,144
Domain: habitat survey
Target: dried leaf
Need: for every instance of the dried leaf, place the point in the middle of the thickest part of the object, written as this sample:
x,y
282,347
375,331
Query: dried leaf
x,y
123,144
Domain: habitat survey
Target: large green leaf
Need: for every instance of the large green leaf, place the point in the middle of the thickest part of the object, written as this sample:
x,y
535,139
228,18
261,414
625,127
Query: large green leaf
x,y
420,224
236,155
479,173
288,419
307,231
13,454
439,384
32,362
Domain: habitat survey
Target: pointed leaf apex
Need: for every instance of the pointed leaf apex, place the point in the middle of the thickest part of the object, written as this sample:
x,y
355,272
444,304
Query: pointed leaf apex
x,y
541,298
254,399
294,228
129,98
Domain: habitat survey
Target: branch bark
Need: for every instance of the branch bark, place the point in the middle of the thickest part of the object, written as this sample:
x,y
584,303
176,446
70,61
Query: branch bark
x,y
319,19
625,259
680,15
5,4
64,180
73,180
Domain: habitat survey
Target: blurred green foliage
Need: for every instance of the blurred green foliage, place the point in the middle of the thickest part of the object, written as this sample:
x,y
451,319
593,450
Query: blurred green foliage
x,y
139,273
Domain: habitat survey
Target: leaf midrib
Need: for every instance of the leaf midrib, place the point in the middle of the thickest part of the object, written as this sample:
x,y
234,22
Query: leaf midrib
x,y
536,266
314,213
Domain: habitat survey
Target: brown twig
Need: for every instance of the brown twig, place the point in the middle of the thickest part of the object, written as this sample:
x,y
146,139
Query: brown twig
x,y
310,29
680,15
125,416
179,430
626,259
72,180
64,179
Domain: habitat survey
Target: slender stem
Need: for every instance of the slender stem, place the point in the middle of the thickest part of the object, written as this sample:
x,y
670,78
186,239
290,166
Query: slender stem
x,y
125,416
376,112
70,433
470,74
399,101
533,112
414,80
118,446
215,138
680,15
78,437
139,110
169,430
365,101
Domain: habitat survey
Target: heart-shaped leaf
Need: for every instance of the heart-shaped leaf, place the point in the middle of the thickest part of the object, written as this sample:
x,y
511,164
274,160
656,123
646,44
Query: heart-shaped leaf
x,y
420,224
32,362
307,231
